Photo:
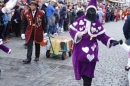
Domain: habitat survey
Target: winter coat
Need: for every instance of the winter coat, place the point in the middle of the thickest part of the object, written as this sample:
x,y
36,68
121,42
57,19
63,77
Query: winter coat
x,y
63,13
73,17
126,28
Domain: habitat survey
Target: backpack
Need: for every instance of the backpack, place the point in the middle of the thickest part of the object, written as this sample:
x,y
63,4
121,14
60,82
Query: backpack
x,y
52,20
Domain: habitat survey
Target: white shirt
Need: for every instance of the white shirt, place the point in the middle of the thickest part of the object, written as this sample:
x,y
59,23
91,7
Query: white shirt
x,y
33,13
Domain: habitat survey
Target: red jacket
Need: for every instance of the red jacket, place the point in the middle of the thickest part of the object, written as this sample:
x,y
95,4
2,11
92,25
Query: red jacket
x,y
35,25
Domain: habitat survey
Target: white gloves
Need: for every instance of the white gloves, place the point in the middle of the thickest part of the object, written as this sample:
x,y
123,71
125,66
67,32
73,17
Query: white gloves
x,y
10,4
23,36
1,42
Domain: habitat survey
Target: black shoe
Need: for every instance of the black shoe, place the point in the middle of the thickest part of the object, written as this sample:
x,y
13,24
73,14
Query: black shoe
x,y
25,44
127,69
25,47
26,61
36,59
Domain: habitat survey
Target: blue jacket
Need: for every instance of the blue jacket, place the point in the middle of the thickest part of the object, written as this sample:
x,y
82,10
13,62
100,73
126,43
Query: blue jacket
x,y
5,19
49,11
126,28
63,13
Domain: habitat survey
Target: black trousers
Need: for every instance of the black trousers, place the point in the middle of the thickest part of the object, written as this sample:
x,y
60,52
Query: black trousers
x,y
30,48
87,81
16,28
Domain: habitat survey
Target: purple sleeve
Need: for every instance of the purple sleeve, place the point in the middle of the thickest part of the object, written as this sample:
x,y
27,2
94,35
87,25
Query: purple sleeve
x,y
74,34
5,49
105,39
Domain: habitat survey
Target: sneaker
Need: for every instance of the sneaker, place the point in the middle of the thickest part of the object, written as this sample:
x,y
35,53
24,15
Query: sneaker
x,y
52,36
62,30
55,34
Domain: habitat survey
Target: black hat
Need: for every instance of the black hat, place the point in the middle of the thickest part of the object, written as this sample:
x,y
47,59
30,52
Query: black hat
x,y
33,2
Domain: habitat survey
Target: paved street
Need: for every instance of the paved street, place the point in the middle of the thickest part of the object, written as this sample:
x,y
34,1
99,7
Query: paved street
x,y
55,72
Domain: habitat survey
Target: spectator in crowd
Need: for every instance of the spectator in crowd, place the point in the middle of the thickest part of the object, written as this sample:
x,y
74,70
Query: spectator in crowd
x,y
57,16
100,14
1,22
108,14
112,14
4,28
50,16
69,14
16,21
73,14
80,13
7,36
116,15
63,15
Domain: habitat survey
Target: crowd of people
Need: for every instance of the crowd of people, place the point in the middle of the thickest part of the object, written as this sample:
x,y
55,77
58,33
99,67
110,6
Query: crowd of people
x,y
59,15
29,20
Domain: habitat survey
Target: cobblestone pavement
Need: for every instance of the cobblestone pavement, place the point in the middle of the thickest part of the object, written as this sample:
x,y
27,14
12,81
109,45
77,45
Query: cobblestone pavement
x,y
55,72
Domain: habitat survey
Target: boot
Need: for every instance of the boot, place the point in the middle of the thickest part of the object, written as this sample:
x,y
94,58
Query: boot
x,y
7,40
36,59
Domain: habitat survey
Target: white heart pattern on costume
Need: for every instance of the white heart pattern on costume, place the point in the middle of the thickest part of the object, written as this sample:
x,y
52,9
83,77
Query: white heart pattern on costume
x,y
81,22
93,47
99,28
75,23
93,24
85,49
93,29
90,57
81,28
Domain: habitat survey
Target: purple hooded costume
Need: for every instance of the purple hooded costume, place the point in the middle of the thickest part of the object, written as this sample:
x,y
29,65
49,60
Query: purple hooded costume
x,y
85,49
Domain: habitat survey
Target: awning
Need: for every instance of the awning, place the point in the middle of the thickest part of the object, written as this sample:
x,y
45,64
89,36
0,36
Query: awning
x,y
117,1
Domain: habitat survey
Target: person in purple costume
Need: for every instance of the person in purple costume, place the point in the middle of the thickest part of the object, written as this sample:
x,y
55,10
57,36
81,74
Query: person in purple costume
x,y
85,32
4,48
